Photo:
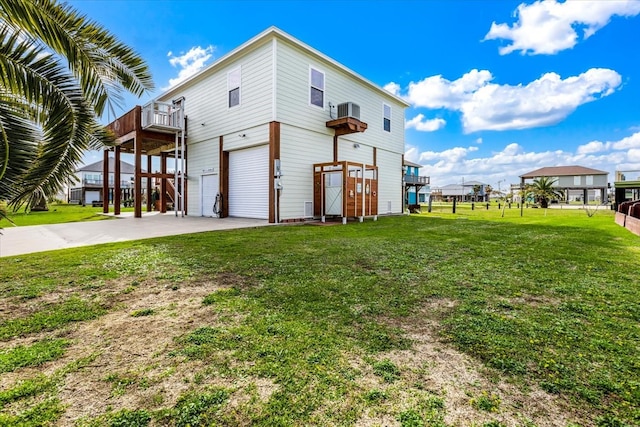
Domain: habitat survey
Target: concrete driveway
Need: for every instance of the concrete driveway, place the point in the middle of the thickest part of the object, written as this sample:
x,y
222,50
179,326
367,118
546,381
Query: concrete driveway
x,y
39,238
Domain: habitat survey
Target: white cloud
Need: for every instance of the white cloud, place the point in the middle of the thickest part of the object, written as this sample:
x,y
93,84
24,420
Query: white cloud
x,y
189,63
479,141
419,123
450,166
627,143
548,26
488,106
392,87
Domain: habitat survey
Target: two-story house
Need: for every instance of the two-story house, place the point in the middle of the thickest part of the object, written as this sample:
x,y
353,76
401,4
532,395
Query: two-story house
x,y
274,130
89,181
417,188
574,179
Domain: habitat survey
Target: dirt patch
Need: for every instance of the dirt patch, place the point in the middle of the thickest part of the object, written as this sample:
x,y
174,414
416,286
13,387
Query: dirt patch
x,y
132,366
436,368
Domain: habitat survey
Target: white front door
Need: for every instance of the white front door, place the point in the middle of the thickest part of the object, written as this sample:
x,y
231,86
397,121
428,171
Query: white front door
x,y
210,185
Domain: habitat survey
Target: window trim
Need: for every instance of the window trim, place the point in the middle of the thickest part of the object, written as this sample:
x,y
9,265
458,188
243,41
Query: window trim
x,y
384,117
311,86
229,88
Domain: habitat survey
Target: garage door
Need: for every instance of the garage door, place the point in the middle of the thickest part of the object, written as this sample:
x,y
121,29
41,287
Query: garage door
x,y
92,196
249,183
209,191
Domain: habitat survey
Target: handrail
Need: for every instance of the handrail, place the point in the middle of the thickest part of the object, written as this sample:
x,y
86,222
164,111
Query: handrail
x,y
161,114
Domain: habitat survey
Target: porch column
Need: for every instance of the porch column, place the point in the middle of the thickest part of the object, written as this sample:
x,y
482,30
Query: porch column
x,y
116,182
137,179
163,183
105,183
149,202
274,153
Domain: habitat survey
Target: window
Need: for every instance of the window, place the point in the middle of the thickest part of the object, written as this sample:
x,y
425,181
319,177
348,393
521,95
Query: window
x,y
234,77
589,179
576,180
387,117
316,87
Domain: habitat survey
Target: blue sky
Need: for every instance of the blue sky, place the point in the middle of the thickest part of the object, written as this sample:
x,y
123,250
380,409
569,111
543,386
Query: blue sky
x,y
497,88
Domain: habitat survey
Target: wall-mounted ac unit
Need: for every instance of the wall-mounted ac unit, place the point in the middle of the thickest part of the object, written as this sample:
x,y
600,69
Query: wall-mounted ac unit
x,y
349,109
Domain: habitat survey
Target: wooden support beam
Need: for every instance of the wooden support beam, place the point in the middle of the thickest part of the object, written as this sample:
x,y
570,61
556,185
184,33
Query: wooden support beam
x,y
137,179
105,182
274,153
116,182
163,183
149,201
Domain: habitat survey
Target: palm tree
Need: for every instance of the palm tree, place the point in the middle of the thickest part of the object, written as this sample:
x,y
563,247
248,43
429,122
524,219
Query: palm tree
x,y
543,189
59,72
476,190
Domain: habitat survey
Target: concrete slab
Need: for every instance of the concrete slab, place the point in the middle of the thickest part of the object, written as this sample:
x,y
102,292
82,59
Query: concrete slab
x,y
39,238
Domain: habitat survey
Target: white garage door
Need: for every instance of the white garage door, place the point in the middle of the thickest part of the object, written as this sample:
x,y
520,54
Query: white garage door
x,y
210,184
92,196
249,183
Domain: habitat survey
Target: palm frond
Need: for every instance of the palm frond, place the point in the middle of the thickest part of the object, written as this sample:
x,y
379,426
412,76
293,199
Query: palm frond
x,y
103,65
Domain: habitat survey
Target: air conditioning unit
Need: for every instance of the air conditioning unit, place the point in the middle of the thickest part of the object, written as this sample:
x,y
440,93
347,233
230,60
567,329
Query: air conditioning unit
x,y
349,109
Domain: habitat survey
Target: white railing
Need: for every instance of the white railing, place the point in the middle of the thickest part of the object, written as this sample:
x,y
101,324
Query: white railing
x,y
161,114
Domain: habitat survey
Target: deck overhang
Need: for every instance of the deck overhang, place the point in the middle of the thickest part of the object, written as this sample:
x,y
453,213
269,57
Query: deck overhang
x,y
346,125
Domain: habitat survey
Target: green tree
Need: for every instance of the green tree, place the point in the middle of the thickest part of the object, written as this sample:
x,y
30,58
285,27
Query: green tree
x,y
476,190
59,73
543,189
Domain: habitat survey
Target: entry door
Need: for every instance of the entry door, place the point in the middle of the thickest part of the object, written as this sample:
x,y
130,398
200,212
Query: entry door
x,y
210,185
333,193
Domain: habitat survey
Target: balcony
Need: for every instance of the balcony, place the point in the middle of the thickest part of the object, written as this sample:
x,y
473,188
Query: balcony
x,y
416,180
162,117
90,182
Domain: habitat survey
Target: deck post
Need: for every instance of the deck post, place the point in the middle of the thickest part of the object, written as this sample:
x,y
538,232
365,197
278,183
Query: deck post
x,y
116,182
105,183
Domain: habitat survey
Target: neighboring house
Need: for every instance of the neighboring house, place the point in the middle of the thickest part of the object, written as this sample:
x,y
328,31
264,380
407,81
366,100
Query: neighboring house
x,y
417,187
276,130
462,192
578,183
88,183
627,186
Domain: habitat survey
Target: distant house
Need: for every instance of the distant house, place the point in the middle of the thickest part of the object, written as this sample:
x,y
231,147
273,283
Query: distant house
x,y
416,187
463,192
577,182
88,184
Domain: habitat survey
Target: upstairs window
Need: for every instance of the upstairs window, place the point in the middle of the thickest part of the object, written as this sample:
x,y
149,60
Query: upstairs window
x,y
316,87
576,180
589,179
386,112
234,77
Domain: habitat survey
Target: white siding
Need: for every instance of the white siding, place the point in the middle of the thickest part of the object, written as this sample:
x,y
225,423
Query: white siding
x,y
293,105
206,98
202,158
300,149
389,181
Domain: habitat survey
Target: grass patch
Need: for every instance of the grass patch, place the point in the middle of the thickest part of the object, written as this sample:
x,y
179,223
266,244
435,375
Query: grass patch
x,y
58,213
33,355
542,300
50,317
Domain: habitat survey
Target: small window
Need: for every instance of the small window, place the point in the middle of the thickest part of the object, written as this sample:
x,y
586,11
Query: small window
x,y
387,117
234,78
589,179
576,180
316,87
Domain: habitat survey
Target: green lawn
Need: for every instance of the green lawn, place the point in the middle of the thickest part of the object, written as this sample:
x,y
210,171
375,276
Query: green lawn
x,y
57,213
428,320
